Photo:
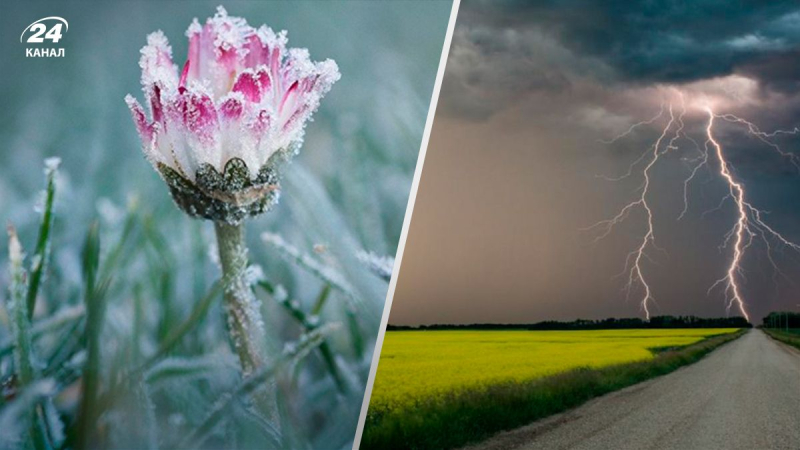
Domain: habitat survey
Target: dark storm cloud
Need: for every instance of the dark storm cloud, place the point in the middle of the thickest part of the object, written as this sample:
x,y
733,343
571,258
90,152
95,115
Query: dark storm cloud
x,y
511,177
779,71
489,69
504,51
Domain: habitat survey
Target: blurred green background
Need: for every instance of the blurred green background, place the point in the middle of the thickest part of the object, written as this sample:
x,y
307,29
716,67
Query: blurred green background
x,y
345,193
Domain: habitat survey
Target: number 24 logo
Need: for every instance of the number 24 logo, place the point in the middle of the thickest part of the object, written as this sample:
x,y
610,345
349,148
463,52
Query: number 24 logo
x,y
39,29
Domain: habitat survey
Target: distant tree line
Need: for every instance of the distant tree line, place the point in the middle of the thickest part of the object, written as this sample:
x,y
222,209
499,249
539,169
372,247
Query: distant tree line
x,y
603,324
781,320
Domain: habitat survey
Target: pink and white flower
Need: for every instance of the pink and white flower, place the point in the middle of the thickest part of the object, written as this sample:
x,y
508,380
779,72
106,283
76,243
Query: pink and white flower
x,y
240,102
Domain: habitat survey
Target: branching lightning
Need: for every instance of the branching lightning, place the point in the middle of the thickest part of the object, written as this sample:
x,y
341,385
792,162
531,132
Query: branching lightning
x,y
749,224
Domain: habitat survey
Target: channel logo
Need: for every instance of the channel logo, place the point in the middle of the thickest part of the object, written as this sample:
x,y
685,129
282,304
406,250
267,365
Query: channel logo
x,y
50,29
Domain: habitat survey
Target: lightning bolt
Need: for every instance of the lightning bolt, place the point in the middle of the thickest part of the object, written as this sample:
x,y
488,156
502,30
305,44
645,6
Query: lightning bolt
x,y
635,260
749,224
741,228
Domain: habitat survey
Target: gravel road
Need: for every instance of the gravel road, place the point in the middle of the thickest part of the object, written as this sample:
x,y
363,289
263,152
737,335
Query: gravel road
x,y
744,395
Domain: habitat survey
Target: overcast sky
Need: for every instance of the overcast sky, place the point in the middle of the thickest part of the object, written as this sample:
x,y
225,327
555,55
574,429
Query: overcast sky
x,y
514,171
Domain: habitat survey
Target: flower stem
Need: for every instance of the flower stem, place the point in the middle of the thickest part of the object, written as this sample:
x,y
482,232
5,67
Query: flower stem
x,y
245,326
244,322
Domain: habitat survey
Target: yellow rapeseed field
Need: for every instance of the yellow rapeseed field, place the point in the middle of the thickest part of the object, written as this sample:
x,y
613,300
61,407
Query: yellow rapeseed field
x,y
416,365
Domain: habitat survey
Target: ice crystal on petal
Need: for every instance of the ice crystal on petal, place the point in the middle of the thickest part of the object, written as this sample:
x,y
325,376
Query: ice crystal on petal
x,y
241,96
194,28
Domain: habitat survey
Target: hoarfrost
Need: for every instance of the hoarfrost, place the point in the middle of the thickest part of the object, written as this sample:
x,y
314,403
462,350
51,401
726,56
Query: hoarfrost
x,y
281,294
176,420
111,213
253,274
15,253
326,273
313,321
36,261
51,165
55,426
41,199
379,265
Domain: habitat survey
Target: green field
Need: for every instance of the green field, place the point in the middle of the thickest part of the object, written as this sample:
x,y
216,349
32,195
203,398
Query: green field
x,y
790,336
416,365
442,389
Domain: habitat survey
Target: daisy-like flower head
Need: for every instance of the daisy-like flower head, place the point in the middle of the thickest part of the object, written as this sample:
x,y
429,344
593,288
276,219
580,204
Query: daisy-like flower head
x,y
219,128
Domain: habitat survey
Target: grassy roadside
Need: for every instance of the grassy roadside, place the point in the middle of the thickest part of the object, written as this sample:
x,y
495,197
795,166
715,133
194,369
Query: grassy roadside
x,y
792,339
467,416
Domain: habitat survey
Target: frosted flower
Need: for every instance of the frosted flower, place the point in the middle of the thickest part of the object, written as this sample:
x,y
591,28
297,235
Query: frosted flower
x,y
218,130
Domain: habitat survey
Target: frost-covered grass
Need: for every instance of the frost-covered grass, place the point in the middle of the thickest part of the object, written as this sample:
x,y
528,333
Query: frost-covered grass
x,y
121,363
130,307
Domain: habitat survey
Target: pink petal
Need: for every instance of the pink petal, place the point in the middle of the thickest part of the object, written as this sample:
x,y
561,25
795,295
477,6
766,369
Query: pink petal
x,y
231,108
144,128
257,53
201,113
297,116
227,59
261,124
156,105
275,60
156,59
198,115
194,33
264,79
184,74
247,83
291,92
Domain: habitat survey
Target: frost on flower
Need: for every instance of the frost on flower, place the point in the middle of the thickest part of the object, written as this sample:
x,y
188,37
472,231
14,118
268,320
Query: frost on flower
x,y
219,127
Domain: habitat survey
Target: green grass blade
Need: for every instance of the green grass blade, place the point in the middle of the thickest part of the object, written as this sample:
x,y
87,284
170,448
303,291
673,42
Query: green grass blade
x,y
115,254
381,266
183,368
23,343
309,324
356,338
325,273
18,414
94,300
252,383
90,258
63,317
51,422
174,337
321,299
21,329
42,253
266,429
198,313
